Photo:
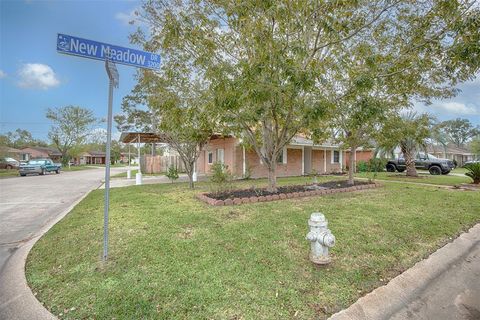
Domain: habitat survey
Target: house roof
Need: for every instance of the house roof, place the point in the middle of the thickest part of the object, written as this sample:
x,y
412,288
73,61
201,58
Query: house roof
x,y
141,137
48,150
302,141
449,149
6,149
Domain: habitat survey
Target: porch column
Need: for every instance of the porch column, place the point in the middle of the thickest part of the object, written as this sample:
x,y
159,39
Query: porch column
x,y
341,159
324,160
303,160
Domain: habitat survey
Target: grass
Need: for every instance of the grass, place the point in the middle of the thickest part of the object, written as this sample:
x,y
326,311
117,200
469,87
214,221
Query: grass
x,y
77,168
134,172
173,257
8,173
423,177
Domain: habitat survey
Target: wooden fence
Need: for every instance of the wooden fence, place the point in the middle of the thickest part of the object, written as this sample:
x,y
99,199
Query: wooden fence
x,y
160,164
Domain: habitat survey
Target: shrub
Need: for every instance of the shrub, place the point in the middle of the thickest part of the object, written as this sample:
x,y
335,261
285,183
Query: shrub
x,y
221,177
362,166
473,172
172,173
377,164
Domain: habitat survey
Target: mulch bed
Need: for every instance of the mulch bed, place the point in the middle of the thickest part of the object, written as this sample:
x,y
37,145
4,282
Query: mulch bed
x,y
253,195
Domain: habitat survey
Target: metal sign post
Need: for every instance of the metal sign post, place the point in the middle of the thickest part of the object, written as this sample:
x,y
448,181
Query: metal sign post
x,y
109,53
113,82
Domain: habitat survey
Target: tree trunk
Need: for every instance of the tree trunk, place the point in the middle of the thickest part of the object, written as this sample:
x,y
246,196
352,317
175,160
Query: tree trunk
x,y
409,163
191,184
352,164
272,178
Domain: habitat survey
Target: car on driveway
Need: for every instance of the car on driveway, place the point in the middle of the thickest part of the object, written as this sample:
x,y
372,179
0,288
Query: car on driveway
x,y
9,163
423,161
39,166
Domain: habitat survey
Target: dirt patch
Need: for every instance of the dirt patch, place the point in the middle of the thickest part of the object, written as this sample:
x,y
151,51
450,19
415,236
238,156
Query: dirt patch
x,y
258,192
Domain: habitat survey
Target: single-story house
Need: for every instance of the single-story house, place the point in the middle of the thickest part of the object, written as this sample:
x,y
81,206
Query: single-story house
x,y
451,152
300,157
11,152
41,152
90,157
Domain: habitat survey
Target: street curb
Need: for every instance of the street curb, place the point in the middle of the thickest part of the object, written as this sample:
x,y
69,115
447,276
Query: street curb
x,y
385,301
31,308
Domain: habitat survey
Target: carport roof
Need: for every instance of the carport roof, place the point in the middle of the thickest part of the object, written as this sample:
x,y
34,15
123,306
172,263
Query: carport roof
x,y
145,137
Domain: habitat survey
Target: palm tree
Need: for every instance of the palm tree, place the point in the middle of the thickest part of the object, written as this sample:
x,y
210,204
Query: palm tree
x,y
408,131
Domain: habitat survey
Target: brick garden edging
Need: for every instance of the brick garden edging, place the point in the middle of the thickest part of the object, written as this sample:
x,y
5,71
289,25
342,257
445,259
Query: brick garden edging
x,y
310,193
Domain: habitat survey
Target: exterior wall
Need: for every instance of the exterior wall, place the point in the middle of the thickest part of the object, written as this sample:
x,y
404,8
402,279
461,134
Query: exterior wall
x,y
229,146
35,154
233,158
362,155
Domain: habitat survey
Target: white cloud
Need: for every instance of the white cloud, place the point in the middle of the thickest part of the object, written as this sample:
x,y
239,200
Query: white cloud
x,y
37,76
457,108
2,74
127,18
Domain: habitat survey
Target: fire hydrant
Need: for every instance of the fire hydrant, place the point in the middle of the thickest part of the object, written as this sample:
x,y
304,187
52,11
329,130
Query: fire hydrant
x,y
320,237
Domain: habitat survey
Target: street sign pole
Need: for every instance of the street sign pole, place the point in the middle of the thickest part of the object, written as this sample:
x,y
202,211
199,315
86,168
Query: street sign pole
x,y
113,82
84,48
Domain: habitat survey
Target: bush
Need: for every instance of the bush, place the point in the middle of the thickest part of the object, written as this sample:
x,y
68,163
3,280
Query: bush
x,y
172,173
221,177
473,172
362,166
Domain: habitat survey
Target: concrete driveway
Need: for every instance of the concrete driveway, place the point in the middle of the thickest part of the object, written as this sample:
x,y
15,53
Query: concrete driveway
x,y
28,206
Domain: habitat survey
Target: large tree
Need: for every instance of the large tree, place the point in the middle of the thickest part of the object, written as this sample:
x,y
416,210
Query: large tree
x,y
20,138
459,131
70,127
264,59
177,105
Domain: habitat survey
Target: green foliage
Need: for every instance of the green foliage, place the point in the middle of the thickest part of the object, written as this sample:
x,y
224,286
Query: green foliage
x,y
459,131
475,146
221,177
172,173
362,166
70,128
473,171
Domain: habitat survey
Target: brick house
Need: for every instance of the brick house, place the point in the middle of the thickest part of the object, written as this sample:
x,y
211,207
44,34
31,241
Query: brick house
x,y
91,157
41,152
300,157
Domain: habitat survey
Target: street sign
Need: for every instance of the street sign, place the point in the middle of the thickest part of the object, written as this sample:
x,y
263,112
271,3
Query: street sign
x,y
102,51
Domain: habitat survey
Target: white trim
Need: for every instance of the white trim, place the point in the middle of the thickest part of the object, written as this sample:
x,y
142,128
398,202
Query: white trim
x,y
303,160
221,155
354,164
340,159
244,163
284,156
324,160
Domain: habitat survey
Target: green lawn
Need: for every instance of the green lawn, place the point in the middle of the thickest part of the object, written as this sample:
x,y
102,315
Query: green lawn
x,y
173,257
133,173
8,173
423,177
77,168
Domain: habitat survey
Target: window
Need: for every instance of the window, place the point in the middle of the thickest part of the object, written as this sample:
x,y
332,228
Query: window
x,y
336,156
282,158
210,157
220,155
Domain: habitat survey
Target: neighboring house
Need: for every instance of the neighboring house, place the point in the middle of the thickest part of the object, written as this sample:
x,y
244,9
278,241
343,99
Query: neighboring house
x,y
41,152
11,152
91,157
300,157
454,153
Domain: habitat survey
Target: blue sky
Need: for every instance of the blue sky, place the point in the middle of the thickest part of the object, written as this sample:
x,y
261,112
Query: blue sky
x,y
33,76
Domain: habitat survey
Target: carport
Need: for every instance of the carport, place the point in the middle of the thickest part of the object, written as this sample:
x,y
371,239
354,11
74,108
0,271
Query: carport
x,y
138,138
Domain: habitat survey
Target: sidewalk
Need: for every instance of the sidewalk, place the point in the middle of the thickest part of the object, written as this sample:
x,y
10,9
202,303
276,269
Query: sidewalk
x,y
444,286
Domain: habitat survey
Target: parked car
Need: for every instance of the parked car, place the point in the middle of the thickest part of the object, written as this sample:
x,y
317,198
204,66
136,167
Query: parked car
x,y
423,161
9,163
472,161
39,166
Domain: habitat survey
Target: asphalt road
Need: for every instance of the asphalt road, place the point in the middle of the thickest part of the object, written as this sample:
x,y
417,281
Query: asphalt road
x,y
27,206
